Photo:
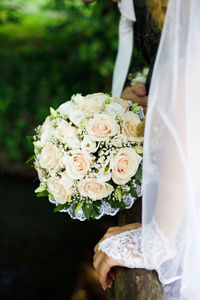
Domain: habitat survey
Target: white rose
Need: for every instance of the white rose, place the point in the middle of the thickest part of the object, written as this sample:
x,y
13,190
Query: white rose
x,y
102,127
46,130
71,110
92,104
67,133
124,165
78,164
104,174
66,108
130,123
115,109
61,192
119,140
77,117
78,98
124,103
88,145
49,158
94,190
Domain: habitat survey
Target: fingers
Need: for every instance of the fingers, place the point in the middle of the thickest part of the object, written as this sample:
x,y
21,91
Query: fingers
x,y
103,265
130,94
104,278
97,259
139,89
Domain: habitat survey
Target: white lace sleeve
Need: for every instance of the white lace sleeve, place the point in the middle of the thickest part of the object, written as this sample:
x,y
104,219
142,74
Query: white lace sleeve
x,y
129,250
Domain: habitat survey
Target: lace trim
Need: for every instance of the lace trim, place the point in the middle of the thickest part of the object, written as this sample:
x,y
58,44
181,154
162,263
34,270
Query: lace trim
x,y
146,247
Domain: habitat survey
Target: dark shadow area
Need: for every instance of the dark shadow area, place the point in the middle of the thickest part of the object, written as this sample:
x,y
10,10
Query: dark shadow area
x,y
44,255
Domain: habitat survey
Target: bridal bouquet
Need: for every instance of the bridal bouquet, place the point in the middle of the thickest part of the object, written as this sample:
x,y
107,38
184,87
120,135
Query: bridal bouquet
x,y
88,155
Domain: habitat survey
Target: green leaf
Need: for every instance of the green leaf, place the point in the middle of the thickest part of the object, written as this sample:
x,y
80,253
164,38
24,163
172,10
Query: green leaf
x,y
54,113
136,109
42,194
59,208
50,196
41,188
107,101
73,208
78,207
134,105
138,182
133,192
88,210
31,158
119,194
121,205
138,175
113,203
29,139
96,206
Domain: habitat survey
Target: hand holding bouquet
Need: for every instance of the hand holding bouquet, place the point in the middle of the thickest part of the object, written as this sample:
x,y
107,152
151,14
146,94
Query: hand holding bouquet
x,y
88,155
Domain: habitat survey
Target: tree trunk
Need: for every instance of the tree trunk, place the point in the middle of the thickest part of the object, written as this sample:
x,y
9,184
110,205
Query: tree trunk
x,y
135,284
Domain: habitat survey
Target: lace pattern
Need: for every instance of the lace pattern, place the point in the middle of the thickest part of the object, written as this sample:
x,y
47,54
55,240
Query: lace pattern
x,y
133,250
105,208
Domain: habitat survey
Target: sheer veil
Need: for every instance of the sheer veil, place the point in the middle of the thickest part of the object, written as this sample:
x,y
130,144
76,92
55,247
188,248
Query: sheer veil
x,y
169,240
171,169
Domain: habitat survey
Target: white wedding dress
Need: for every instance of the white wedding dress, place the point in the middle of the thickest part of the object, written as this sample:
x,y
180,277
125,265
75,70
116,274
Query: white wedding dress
x,y
169,239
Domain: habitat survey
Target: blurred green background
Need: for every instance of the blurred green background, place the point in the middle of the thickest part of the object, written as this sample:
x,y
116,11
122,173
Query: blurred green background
x,y
49,50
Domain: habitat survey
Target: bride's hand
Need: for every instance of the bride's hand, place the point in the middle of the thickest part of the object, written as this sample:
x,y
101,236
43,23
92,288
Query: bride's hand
x,y
103,263
136,93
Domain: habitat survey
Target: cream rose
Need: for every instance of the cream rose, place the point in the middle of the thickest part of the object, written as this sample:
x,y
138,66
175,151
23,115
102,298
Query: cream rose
x,y
61,192
67,133
102,126
41,172
124,165
94,190
49,158
90,104
130,123
78,164
93,103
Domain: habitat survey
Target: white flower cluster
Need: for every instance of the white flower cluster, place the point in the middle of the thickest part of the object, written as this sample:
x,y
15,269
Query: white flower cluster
x,y
139,77
88,148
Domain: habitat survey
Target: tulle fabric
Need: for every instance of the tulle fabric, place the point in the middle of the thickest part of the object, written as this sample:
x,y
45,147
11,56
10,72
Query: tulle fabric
x,y
171,170
171,166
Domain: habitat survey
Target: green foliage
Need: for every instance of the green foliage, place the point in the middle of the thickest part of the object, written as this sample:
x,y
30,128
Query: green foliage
x,y
48,52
